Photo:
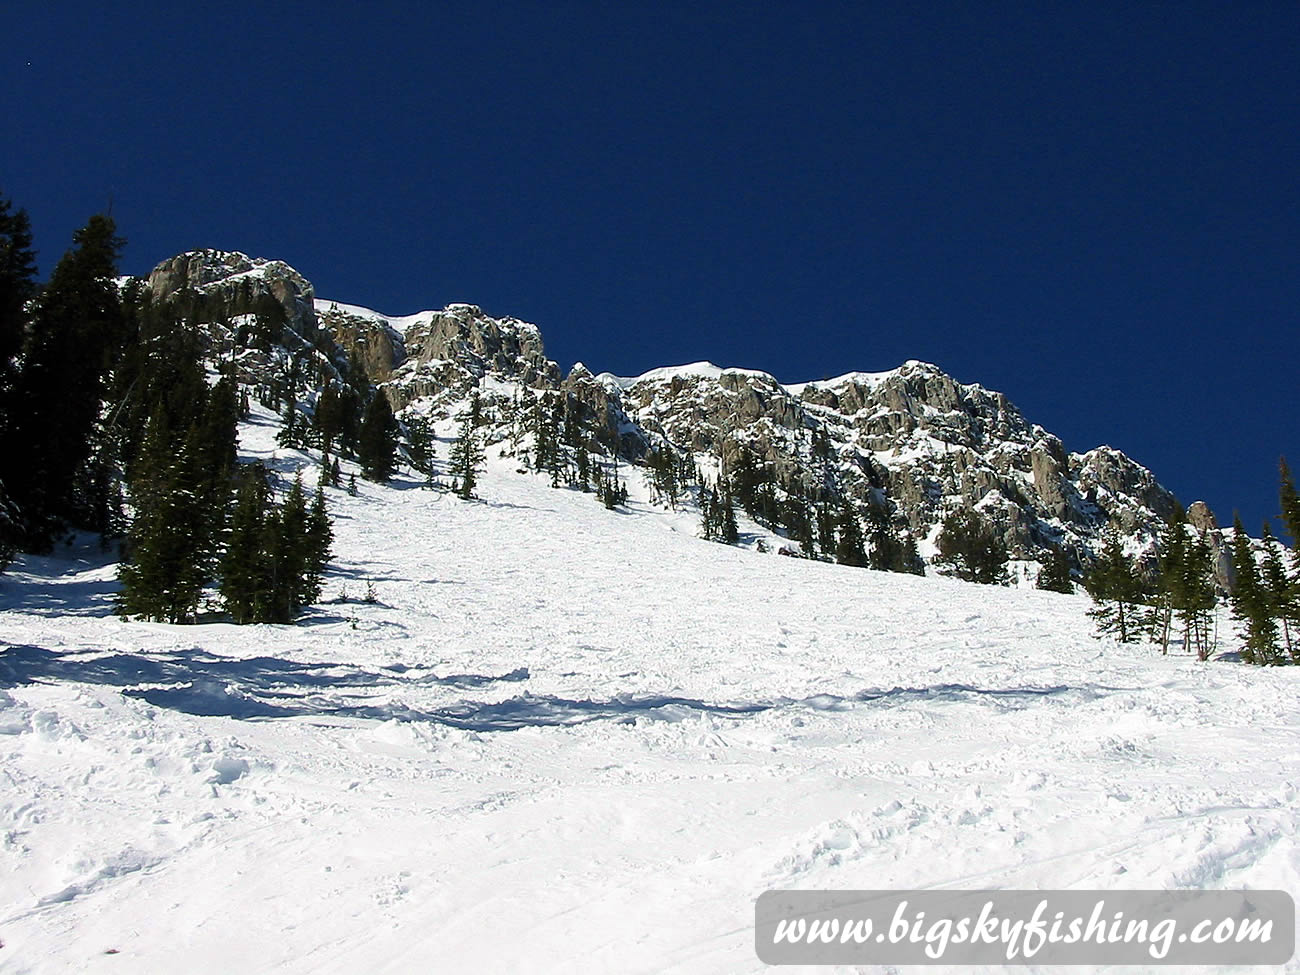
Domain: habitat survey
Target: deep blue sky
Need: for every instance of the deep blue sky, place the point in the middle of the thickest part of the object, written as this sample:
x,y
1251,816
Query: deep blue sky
x,y
1092,207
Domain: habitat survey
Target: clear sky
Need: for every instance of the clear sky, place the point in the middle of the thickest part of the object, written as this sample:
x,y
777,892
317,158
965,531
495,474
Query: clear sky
x,y
1093,207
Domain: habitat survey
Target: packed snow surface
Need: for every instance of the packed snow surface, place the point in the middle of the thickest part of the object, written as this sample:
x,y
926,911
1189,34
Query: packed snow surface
x,y
563,739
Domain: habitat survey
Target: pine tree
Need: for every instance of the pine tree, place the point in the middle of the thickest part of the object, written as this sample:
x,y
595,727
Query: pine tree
x,y
1250,603
294,555
972,548
1198,597
319,538
1290,503
728,531
849,549
1170,591
17,288
466,453
172,545
826,527
245,575
1279,592
1055,574
76,336
1116,589
377,449
910,561
420,444
708,514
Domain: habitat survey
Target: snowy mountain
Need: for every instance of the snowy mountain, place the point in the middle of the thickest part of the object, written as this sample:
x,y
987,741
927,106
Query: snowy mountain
x,y
911,442
525,733
562,739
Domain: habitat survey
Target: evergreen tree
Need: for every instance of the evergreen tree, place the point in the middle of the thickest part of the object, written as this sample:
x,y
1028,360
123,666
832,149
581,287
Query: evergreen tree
x,y
1290,503
972,548
377,449
245,575
1116,589
1279,591
319,538
466,453
76,336
1055,574
849,549
1251,604
728,531
708,514
17,288
826,527
910,561
420,442
172,545
1170,591
291,555
1198,597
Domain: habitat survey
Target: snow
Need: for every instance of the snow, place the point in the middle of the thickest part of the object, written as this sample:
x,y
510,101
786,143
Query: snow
x,y
403,323
693,370
564,739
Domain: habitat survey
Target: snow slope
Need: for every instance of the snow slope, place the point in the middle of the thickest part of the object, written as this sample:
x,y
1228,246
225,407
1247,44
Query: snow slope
x,y
571,740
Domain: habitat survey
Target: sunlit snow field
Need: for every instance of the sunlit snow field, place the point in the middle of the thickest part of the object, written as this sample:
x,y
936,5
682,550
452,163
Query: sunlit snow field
x,y
571,740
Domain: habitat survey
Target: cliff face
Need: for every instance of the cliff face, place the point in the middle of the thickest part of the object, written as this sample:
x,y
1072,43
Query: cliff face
x,y
912,438
913,441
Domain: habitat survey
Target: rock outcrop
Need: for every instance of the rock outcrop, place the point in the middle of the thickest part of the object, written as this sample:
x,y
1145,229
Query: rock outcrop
x,y
913,441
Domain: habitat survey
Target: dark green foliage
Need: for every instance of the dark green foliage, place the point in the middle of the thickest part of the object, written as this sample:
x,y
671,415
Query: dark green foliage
x,y
245,579
1184,591
1116,590
17,287
1172,549
179,483
76,338
849,549
337,419
826,527
1290,503
319,539
729,533
176,531
911,561
718,515
1281,592
295,431
420,442
276,555
1197,598
972,548
890,552
377,450
1055,574
1251,603
665,469
467,453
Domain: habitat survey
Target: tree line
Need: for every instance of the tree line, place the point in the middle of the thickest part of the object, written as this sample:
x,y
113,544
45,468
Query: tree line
x,y
1174,604
113,424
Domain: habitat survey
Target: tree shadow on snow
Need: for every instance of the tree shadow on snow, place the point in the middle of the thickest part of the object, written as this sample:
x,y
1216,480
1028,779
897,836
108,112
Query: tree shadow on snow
x,y
200,683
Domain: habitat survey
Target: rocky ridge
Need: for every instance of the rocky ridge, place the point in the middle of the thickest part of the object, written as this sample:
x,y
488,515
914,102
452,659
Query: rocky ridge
x,y
913,439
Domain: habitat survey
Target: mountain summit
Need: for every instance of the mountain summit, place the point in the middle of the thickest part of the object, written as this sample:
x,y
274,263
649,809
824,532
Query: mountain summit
x,y
911,445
